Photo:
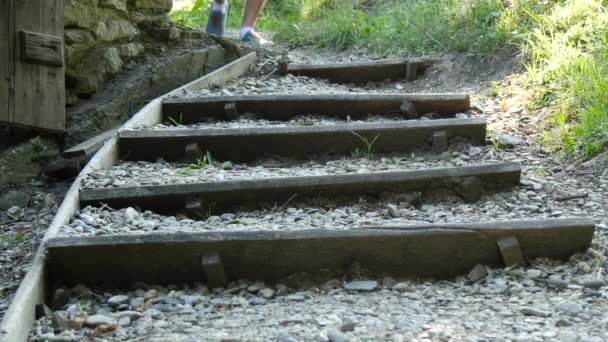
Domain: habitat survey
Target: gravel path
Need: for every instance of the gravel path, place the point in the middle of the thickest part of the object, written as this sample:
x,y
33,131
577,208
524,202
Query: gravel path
x,y
21,229
547,302
132,174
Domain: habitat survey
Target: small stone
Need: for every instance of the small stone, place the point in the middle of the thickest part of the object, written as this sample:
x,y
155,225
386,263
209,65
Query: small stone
x,y
478,273
393,211
336,335
347,326
136,302
534,312
361,285
557,283
567,336
258,301
151,294
507,140
124,321
286,338
228,217
533,273
570,308
14,210
594,284
130,215
295,298
117,300
266,293
474,151
97,320
133,315
189,300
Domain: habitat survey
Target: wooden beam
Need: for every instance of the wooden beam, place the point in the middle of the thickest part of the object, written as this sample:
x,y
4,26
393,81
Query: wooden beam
x,y
435,250
355,72
88,147
297,142
285,107
228,194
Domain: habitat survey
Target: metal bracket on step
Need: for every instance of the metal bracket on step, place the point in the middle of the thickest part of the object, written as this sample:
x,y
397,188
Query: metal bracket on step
x,y
193,153
214,270
511,252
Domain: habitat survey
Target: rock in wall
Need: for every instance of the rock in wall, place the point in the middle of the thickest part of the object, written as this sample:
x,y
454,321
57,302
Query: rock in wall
x,y
103,36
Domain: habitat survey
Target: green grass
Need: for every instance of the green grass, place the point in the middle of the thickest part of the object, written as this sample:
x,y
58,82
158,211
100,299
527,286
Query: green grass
x,y
206,160
367,147
7,240
563,45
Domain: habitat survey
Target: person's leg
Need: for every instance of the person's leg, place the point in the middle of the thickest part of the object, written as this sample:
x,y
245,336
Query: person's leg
x,y
216,21
252,12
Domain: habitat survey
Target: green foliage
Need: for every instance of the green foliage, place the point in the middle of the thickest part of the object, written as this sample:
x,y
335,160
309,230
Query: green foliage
x,y
405,27
7,240
202,163
567,49
367,147
175,122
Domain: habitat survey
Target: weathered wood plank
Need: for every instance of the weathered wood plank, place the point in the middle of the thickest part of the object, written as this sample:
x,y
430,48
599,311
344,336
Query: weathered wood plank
x,y
88,147
19,318
221,75
374,71
39,89
228,194
284,107
436,250
39,48
6,59
298,142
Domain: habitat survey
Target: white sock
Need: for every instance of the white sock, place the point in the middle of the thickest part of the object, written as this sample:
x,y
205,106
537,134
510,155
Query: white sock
x,y
219,7
244,30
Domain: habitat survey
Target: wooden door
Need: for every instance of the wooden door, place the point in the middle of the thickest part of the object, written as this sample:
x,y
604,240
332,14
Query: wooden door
x,y
36,83
6,59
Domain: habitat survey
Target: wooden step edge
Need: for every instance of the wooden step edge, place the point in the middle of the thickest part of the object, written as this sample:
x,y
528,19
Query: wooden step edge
x,y
355,97
425,61
228,194
296,142
360,72
437,250
439,124
285,107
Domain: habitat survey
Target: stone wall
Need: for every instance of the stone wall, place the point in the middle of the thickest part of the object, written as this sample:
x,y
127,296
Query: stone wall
x,y
103,36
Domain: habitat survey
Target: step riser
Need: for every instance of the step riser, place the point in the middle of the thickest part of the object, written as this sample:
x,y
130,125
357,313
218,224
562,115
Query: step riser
x,y
227,195
357,72
243,145
423,251
285,107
